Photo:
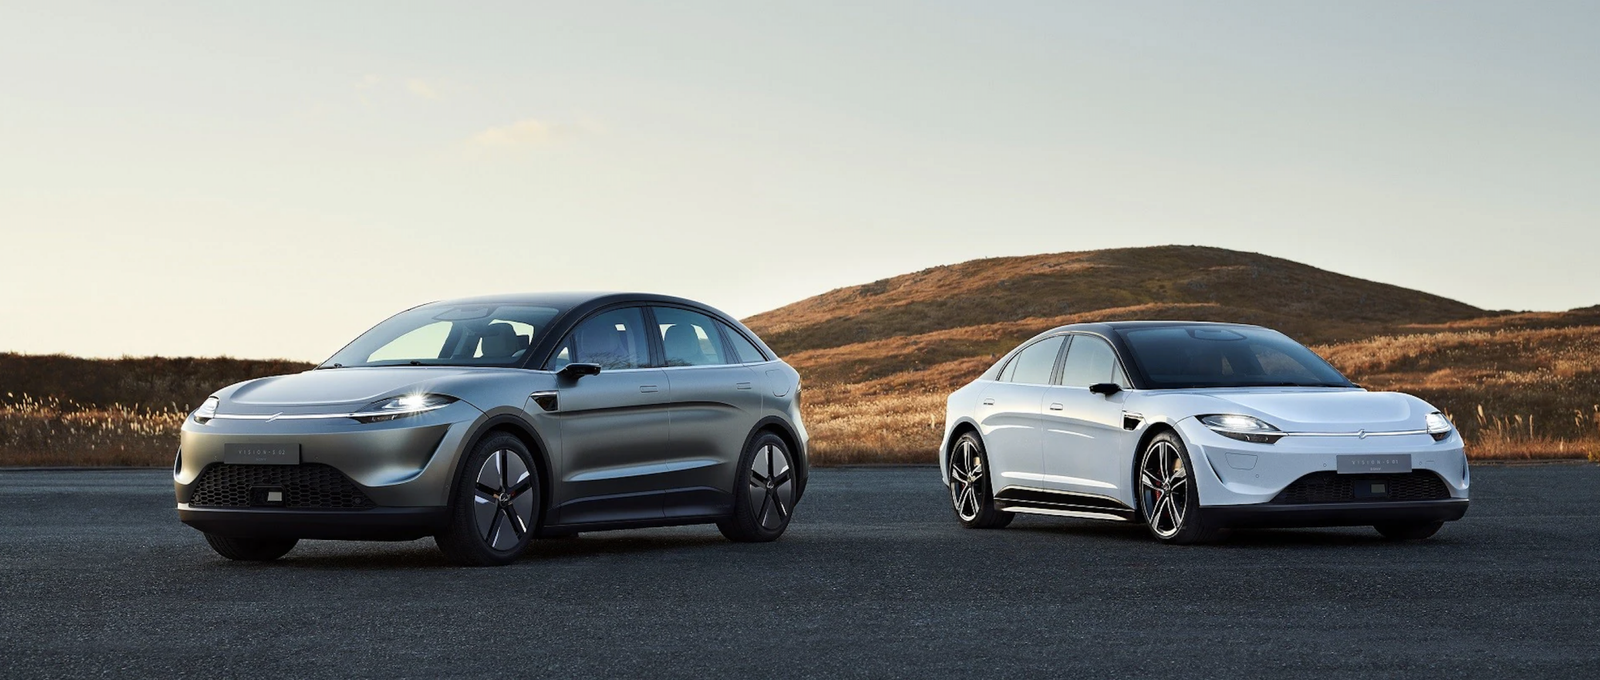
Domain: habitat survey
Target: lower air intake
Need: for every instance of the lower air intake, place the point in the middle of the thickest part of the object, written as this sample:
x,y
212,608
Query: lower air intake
x,y
1332,487
310,485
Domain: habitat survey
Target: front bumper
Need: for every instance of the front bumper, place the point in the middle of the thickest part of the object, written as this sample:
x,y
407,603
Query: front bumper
x,y
1228,472
409,462
1272,515
373,481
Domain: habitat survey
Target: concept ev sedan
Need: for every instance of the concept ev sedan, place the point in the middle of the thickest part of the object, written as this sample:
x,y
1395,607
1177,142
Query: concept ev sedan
x,y
491,421
1192,428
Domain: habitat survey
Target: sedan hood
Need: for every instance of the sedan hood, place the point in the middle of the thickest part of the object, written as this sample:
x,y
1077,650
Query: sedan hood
x,y
355,387
1321,410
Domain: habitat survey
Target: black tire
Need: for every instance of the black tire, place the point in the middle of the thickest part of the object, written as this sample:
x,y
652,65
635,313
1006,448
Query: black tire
x,y
971,496
1408,531
497,505
251,549
764,492
1168,501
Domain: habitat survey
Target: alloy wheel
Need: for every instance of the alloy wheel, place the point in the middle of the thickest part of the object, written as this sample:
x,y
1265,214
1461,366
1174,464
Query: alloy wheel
x,y
1164,488
771,487
966,481
503,506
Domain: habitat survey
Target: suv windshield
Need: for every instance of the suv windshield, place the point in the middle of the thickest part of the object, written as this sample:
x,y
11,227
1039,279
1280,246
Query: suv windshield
x,y
1176,357
448,335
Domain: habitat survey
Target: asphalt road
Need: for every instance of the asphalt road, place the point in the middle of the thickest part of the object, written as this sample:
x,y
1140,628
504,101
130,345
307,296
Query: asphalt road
x,y
874,579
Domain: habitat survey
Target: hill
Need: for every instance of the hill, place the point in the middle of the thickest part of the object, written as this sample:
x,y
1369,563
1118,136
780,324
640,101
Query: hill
x,y
1160,282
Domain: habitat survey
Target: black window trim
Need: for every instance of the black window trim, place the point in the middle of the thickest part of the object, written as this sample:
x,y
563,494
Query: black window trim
x,y
651,342
1116,356
1055,369
659,343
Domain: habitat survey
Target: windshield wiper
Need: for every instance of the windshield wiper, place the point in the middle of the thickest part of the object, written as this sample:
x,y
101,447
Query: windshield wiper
x,y
325,368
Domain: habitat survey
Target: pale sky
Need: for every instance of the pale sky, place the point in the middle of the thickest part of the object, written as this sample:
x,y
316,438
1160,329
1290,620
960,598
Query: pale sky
x,y
270,179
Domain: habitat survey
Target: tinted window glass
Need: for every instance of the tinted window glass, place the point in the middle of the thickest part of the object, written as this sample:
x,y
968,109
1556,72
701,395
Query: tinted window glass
x,y
748,354
1009,372
1035,364
689,338
1225,356
614,340
449,335
1089,361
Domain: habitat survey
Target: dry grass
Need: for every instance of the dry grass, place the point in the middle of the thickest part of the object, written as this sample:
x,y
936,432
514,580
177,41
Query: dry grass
x,y
50,432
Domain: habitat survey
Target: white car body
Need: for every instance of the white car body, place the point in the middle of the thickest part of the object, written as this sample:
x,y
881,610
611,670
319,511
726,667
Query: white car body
x,y
1065,450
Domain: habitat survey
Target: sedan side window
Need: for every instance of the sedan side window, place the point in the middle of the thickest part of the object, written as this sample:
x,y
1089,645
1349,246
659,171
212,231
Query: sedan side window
x,y
614,340
1090,360
1035,364
748,354
689,338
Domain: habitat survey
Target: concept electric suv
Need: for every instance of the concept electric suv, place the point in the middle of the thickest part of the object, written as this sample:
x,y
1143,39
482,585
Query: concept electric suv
x,y
490,421
1192,428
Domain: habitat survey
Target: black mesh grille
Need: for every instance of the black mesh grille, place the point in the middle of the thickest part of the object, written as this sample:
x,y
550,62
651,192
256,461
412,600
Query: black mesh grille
x,y
1332,487
310,485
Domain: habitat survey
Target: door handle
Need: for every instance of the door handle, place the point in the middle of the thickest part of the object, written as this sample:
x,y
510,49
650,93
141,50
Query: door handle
x,y
743,385
649,388
988,402
1056,407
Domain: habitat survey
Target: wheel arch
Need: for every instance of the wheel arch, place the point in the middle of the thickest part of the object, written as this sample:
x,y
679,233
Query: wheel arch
x,y
1150,433
530,438
785,431
961,427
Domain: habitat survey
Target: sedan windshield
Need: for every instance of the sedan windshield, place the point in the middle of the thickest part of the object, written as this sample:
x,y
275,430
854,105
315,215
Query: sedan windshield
x,y
1176,357
448,335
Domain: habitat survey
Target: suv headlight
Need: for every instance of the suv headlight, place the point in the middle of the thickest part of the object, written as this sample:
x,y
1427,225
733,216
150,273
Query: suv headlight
x,y
1243,428
402,406
1439,427
207,410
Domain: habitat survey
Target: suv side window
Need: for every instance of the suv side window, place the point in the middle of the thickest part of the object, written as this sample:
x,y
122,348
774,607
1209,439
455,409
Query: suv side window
x,y
689,338
614,340
1090,360
1035,364
746,350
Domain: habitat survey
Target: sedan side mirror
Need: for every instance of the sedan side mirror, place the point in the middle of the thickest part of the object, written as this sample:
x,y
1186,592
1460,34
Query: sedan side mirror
x,y
1106,389
575,371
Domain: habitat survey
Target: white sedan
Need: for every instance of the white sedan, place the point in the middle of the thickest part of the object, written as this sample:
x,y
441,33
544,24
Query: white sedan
x,y
1192,428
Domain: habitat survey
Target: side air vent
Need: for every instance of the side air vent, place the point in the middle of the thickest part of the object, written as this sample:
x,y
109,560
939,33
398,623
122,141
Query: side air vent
x,y
1131,421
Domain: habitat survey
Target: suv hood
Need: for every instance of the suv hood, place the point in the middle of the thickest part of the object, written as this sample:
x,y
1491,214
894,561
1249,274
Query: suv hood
x,y
313,391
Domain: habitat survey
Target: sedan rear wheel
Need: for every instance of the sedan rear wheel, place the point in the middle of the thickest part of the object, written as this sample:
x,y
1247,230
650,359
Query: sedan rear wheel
x,y
1167,498
970,492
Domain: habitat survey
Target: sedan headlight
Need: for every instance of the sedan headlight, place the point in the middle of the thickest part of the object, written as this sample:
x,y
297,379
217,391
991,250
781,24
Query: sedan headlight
x,y
207,410
1243,428
402,406
1439,427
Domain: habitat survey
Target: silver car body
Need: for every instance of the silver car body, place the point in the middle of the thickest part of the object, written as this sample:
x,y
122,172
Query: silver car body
x,y
623,448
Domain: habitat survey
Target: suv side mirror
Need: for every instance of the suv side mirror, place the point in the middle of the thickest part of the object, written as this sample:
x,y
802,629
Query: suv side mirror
x,y
575,371
1106,389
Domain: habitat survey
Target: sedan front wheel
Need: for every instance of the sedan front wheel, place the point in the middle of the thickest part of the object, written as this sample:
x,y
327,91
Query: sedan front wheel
x,y
1168,501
